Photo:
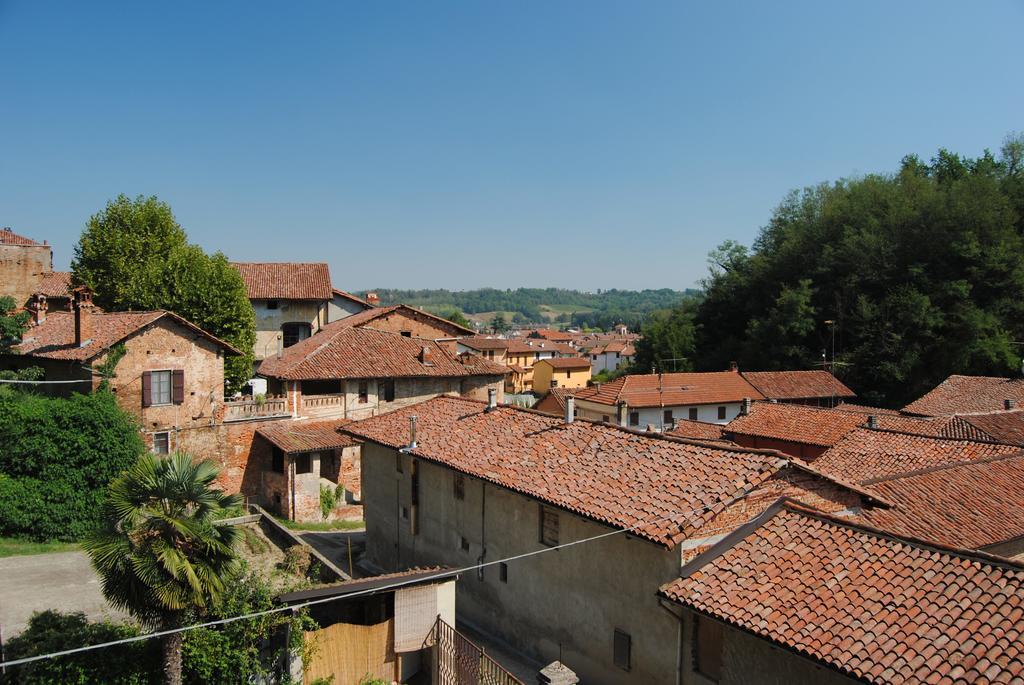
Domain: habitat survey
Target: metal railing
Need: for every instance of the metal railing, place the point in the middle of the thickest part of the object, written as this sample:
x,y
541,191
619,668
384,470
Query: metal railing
x,y
457,661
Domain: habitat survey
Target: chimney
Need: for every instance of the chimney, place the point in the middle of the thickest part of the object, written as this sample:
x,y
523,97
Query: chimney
x,y
746,406
620,413
1009,404
373,298
37,308
570,409
872,421
83,308
412,432
280,345
492,399
734,367
425,355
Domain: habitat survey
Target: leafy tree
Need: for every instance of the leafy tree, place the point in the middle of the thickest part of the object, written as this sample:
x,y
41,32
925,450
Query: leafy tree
x,y
498,323
134,255
13,324
56,457
50,631
457,317
668,341
159,554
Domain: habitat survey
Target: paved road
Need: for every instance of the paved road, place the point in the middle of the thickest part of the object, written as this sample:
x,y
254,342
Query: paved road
x,y
334,546
63,581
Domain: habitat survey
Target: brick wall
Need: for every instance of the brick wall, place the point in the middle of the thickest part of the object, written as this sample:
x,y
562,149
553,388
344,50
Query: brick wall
x,y
796,449
22,268
419,325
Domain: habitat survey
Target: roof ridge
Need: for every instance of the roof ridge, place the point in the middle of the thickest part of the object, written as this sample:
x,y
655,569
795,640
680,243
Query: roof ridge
x,y
944,467
928,437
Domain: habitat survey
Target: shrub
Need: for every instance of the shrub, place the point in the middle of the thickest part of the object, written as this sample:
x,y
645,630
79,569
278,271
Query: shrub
x,y
329,497
296,560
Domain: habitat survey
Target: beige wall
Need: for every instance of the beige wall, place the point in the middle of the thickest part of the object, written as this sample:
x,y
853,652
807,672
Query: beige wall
x,y
269,321
22,268
566,602
564,378
407,391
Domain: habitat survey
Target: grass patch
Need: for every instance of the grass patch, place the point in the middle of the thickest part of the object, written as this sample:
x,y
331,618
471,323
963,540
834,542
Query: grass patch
x,y
14,547
322,525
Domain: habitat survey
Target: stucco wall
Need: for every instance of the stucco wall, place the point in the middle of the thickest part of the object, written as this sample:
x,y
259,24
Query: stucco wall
x,y
22,268
571,378
749,659
568,601
341,307
654,415
269,321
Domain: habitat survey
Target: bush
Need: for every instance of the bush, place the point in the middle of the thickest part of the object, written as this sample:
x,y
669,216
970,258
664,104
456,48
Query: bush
x,y
297,560
57,456
137,663
329,498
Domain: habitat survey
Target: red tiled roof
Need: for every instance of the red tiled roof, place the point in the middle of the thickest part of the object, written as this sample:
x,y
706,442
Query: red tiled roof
x,y
796,385
55,337
350,296
664,487
343,351
697,430
554,401
936,427
871,605
306,436
864,409
539,345
968,395
672,389
566,362
864,454
551,334
974,504
795,423
56,284
9,237
484,343
1004,426
286,280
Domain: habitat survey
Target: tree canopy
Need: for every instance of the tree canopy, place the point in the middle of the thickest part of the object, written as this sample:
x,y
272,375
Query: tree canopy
x,y
134,255
918,274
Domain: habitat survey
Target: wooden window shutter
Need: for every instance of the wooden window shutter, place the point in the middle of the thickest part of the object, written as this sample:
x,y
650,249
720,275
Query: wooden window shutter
x,y
147,388
178,386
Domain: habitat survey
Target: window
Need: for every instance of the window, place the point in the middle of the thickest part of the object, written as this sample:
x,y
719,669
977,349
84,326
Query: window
x,y
623,649
707,655
277,460
568,374
503,572
667,417
406,334
721,413
548,526
594,357
159,387
271,304
634,418
388,391
693,413
303,463
464,544
364,392
605,419
460,486
161,443
292,333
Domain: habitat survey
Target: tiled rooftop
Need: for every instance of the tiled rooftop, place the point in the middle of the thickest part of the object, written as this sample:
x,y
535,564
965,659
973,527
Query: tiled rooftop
x,y
697,430
672,389
864,454
795,423
9,237
968,395
286,280
937,427
306,436
56,284
661,485
795,385
567,363
341,350
868,604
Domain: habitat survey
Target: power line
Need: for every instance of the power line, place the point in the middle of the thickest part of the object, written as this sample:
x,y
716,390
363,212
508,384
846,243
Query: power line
x,y
88,380
324,600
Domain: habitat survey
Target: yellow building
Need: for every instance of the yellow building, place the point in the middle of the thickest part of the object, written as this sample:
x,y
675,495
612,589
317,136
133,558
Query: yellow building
x,y
565,372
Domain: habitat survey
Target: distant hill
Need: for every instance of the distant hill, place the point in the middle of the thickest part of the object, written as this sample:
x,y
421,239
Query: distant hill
x,y
543,305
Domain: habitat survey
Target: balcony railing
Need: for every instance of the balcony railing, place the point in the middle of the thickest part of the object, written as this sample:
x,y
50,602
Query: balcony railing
x,y
241,410
457,661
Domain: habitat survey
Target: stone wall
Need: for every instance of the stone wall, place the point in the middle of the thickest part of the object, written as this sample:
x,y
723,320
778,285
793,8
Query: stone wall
x,y
22,268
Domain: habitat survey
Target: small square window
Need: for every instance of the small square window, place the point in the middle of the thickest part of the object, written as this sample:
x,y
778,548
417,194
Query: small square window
x,y
606,419
693,413
667,417
634,418
623,649
405,513
548,526
464,544
503,572
364,392
271,304
460,486
303,463
406,334
161,443
721,413
388,391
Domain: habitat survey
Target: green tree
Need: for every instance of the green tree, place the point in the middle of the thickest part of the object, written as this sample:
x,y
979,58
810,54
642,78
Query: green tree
x,y
13,324
498,323
134,255
668,341
56,457
457,317
159,554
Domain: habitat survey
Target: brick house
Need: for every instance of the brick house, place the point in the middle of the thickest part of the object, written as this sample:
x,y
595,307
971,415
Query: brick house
x,y
796,429
24,263
802,597
483,482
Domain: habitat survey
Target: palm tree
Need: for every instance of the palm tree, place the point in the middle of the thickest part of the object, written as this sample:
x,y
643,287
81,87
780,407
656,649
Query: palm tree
x,y
158,553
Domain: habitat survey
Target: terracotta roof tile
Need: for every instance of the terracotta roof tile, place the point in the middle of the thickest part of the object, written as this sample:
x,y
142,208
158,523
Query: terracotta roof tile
x,y
699,430
973,504
286,280
864,409
936,427
367,317
662,485
872,605
350,296
553,401
1004,426
306,436
55,337
796,385
672,389
566,363
9,237
340,350
484,343
795,423
968,395
864,454
56,284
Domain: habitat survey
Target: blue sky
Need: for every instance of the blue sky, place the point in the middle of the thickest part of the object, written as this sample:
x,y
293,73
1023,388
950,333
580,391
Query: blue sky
x,y
426,144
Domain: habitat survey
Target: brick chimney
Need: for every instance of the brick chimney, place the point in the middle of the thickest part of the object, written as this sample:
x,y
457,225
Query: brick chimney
x,y
373,298
37,308
425,355
734,367
746,406
83,309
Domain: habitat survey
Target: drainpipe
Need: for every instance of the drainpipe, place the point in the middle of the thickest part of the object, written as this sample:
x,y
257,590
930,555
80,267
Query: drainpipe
x,y
483,530
679,640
